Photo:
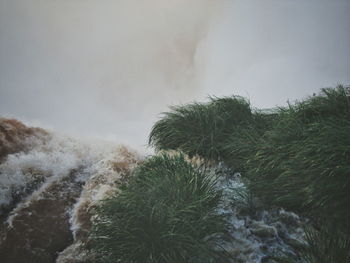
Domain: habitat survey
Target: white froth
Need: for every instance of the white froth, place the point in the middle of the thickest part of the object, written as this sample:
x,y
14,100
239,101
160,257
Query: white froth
x,y
53,160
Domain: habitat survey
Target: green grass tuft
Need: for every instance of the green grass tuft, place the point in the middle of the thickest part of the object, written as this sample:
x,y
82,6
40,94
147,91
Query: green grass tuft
x,y
164,214
296,157
203,128
303,163
327,245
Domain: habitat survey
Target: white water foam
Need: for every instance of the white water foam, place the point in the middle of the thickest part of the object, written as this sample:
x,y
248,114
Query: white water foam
x,y
105,176
50,162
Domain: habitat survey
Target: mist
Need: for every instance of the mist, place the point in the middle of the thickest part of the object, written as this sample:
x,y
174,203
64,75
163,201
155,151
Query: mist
x,y
272,51
109,68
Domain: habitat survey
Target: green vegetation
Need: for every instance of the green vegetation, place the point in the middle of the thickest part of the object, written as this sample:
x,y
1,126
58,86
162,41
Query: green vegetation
x,y
303,163
166,213
327,245
201,129
225,129
296,157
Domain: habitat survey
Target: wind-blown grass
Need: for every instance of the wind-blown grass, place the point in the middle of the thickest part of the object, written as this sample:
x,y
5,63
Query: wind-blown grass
x,y
164,214
296,157
241,142
204,128
326,245
303,163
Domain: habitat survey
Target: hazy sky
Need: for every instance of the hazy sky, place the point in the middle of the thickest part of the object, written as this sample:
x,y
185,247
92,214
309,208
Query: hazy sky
x,y
109,67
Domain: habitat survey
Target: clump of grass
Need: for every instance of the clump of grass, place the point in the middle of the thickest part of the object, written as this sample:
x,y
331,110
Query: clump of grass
x,y
303,163
330,103
201,128
297,157
326,245
164,214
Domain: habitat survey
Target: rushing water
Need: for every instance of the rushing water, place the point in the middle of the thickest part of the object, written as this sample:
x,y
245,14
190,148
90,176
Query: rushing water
x,y
255,234
47,189
50,183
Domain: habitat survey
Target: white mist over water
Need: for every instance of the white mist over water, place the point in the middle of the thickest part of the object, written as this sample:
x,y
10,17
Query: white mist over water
x,y
102,68
107,68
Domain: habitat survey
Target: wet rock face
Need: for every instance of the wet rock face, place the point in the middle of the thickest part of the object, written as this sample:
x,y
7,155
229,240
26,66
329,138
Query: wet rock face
x,y
109,176
289,218
13,135
40,228
256,235
17,139
262,230
48,187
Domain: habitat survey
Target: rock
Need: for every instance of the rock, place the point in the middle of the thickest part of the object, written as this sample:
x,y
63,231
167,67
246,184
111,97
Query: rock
x,y
257,234
295,243
13,135
267,259
281,229
262,230
289,218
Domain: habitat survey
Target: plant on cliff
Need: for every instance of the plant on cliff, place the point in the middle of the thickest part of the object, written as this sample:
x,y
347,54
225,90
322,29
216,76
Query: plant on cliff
x,y
166,213
327,245
303,162
204,128
297,157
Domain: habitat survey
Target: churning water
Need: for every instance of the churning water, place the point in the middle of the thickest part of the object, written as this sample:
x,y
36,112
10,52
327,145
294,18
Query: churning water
x,y
108,68
50,184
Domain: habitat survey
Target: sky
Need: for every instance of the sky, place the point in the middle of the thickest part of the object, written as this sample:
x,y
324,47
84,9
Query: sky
x,y
108,68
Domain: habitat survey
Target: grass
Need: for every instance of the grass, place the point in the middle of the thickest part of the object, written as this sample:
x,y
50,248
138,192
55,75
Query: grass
x,y
303,163
296,157
201,128
224,129
327,245
166,213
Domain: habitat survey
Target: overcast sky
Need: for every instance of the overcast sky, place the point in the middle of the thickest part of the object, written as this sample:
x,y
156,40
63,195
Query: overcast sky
x,y
108,67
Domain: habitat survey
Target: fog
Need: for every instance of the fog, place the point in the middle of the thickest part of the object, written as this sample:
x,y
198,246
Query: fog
x,y
107,68
275,50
